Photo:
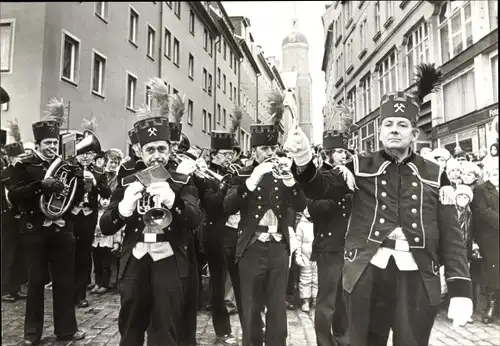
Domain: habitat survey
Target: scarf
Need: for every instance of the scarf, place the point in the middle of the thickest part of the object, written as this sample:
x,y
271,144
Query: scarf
x,y
464,219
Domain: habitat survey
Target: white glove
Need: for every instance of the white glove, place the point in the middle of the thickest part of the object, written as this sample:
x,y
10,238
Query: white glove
x,y
186,167
475,246
298,147
460,311
300,261
164,192
132,194
89,176
258,173
286,163
202,164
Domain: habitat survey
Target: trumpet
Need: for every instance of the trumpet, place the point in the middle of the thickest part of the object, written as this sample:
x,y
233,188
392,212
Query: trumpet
x,y
280,170
233,168
201,172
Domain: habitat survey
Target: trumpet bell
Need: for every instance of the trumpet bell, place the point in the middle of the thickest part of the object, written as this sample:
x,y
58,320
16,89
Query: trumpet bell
x,y
157,218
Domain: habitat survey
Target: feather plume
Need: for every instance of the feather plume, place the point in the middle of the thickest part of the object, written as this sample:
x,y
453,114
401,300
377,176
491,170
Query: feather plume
x,y
237,115
159,92
56,111
14,130
177,108
90,125
276,101
143,112
427,80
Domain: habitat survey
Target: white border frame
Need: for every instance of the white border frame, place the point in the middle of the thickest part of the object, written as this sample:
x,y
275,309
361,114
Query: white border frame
x,y
12,22
105,58
77,63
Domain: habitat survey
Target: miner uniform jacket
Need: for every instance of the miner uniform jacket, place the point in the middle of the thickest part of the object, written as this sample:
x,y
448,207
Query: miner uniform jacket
x,y
388,195
101,189
213,198
330,218
185,212
270,193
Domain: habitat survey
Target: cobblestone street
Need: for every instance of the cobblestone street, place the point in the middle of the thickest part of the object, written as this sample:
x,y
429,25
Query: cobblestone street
x,y
99,321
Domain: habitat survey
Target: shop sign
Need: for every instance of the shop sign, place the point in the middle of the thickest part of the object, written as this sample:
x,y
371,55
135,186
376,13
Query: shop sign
x,y
465,121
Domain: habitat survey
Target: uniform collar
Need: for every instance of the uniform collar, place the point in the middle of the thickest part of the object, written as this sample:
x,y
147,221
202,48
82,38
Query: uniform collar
x,y
327,165
388,156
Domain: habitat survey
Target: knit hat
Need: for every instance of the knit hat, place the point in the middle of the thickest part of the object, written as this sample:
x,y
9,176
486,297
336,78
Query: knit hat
x,y
464,190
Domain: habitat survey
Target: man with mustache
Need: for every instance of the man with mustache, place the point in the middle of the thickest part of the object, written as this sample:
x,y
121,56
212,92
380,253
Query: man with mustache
x,y
403,226
46,241
154,259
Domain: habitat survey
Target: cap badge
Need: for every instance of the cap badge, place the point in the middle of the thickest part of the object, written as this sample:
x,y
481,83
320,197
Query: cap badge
x,y
52,129
399,107
152,131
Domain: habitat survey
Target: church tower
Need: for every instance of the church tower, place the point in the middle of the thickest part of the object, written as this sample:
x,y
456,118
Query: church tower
x,y
296,59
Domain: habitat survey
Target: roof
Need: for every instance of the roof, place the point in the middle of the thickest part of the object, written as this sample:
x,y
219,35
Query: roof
x,y
294,37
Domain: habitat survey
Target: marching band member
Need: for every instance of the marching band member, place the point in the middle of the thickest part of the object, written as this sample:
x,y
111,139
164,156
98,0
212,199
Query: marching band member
x,y
262,250
47,242
330,219
403,225
14,271
220,239
134,160
154,261
85,214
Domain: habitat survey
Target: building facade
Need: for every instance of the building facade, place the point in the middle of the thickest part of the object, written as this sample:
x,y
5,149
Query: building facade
x,y
99,56
372,48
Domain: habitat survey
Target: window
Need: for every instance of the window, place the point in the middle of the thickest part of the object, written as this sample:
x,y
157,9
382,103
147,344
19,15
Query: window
x,y
494,76
218,46
151,41
218,77
235,96
351,102
101,9
365,97
98,73
191,22
387,72
190,113
205,39
348,11
230,90
225,50
204,80
177,9
148,99
210,45
7,45
218,114
417,51
133,26
168,44
224,118
209,84
368,137
377,16
176,52
131,88
191,67
338,27
389,10
481,134
455,29
493,12
340,66
169,3
224,84
363,35
205,121
456,96
71,56
231,60
349,53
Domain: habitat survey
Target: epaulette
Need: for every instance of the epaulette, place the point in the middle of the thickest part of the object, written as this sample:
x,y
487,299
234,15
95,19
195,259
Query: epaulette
x,y
31,159
427,171
179,177
98,170
129,165
245,171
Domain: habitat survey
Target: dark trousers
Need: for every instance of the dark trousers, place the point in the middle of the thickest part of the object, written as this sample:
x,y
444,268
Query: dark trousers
x,y
150,292
385,299
330,317
263,279
52,248
103,259
14,269
220,247
84,234
293,281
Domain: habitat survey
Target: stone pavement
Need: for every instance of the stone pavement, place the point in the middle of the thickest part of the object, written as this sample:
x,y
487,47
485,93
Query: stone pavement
x,y
99,321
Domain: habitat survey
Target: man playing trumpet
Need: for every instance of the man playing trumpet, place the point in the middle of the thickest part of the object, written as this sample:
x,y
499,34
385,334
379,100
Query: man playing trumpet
x,y
262,250
154,260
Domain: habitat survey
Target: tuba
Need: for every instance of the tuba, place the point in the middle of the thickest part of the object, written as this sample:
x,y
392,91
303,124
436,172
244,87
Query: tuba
x,y
55,205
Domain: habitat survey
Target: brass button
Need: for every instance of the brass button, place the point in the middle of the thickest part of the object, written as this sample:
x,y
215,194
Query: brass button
x,y
417,239
384,172
350,253
340,203
377,233
384,194
414,184
276,188
414,211
414,173
329,234
343,207
256,216
384,182
414,197
259,207
275,181
343,215
414,225
321,235
169,228
383,207
277,197
343,199
258,188
258,197
382,220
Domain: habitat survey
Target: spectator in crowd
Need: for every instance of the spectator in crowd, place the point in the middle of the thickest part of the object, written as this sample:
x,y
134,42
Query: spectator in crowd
x,y
471,174
492,155
486,235
454,171
441,156
424,151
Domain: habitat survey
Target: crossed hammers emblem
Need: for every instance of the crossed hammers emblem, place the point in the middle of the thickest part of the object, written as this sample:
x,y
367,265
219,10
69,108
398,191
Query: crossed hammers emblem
x,y
152,131
399,107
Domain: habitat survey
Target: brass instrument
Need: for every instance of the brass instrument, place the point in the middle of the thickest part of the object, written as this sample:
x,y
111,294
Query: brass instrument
x,y
154,215
201,172
233,168
55,205
280,169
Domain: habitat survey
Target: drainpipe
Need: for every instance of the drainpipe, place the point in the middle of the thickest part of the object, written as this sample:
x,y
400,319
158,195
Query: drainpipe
x,y
160,46
214,80
257,79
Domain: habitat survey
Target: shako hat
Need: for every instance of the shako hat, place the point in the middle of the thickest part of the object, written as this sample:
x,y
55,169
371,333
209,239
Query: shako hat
x,y
151,129
221,140
268,134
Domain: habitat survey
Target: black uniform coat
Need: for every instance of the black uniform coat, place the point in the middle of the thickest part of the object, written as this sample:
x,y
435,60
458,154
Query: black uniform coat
x,y
100,189
186,217
214,193
271,193
485,233
391,195
330,218
27,190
